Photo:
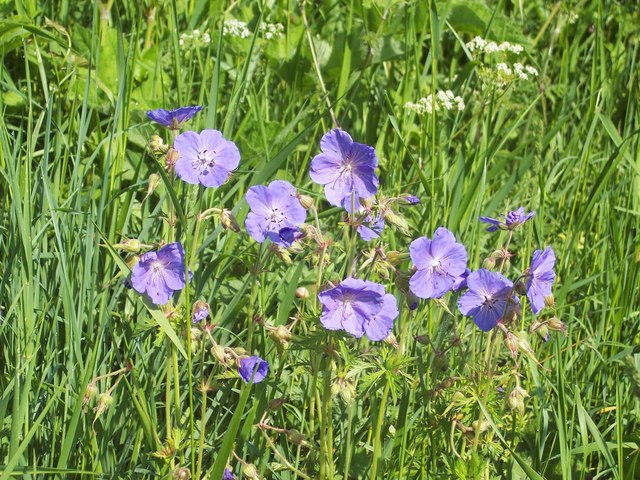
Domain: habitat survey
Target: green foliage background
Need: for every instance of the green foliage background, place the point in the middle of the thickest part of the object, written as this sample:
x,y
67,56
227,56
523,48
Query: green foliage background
x,y
76,81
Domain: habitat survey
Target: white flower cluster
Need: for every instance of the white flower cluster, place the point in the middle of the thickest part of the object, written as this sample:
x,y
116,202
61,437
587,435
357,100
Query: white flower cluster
x,y
479,46
236,28
271,30
505,73
195,39
442,100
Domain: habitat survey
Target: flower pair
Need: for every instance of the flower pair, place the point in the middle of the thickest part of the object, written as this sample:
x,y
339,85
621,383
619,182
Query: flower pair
x,y
359,307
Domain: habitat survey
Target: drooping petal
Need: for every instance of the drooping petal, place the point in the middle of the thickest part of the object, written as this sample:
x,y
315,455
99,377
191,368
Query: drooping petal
x,y
428,283
379,327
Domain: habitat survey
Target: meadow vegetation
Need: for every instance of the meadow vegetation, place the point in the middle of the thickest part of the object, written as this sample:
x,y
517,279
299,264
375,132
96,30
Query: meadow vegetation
x,y
472,108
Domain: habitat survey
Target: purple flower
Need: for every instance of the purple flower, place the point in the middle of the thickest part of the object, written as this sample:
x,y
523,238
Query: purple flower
x,y
227,474
345,168
411,199
289,235
440,262
541,277
371,228
487,298
200,311
511,221
249,365
461,281
359,307
159,274
273,209
205,158
173,118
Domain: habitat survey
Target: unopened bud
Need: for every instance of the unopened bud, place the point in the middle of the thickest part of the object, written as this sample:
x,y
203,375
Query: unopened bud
x,y
302,293
306,201
520,288
549,301
172,158
280,334
556,325
396,220
276,404
282,253
218,352
295,437
129,245
104,401
512,344
154,182
480,425
250,471
345,389
516,399
391,340
228,221
540,329
182,473
89,392
489,263
157,145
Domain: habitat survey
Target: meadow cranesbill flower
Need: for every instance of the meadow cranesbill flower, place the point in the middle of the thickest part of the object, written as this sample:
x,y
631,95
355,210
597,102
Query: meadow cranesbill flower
x,y
511,220
371,227
207,158
249,365
489,298
275,213
227,474
411,199
461,281
159,274
540,278
200,311
345,168
440,262
173,119
358,307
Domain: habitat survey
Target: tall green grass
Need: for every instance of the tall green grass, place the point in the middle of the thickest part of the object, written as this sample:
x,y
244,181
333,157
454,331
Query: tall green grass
x,y
77,78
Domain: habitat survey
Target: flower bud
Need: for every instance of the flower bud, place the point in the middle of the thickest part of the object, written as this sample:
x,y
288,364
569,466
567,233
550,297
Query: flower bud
x,y
157,145
391,340
276,404
302,293
556,325
250,471
104,401
129,245
295,437
172,158
396,220
489,263
281,253
540,329
512,343
549,301
306,201
181,473
480,426
154,182
228,221
516,399
218,352
280,334
89,393
345,389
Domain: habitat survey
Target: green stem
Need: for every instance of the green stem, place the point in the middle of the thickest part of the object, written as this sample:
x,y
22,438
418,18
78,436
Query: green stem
x,y
377,441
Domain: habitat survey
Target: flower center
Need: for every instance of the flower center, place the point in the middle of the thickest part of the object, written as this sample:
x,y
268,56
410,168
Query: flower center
x,y
204,161
490,302
276,216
